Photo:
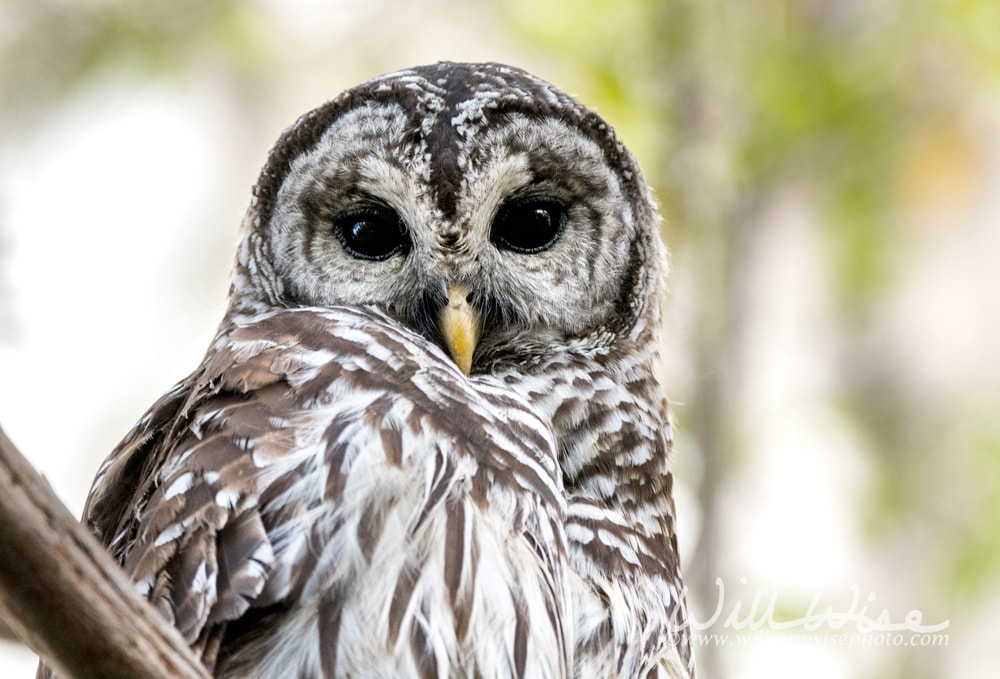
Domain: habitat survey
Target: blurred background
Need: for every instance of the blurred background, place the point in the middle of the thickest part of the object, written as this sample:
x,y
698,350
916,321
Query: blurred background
x,y
829,177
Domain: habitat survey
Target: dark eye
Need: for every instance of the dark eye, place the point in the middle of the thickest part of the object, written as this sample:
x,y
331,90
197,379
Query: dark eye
x,y
529,225
371,232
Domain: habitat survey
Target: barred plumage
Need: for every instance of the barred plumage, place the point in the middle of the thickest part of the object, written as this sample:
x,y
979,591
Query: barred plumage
x,y
330,494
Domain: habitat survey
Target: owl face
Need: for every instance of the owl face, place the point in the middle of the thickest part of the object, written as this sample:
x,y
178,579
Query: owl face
x,y
461,181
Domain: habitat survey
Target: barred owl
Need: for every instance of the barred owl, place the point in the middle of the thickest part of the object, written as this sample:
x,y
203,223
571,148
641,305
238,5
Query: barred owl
x,y
427,439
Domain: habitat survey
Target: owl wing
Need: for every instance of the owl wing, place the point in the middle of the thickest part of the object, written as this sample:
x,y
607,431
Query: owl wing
x,y
327,495
123,478
630,611
170,502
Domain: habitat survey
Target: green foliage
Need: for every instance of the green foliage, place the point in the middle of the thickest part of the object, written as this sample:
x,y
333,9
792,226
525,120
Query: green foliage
x,y
976,547
57,47
972,26
824,108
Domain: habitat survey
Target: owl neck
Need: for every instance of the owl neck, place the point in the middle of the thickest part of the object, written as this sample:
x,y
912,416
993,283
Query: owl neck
x,y
609,416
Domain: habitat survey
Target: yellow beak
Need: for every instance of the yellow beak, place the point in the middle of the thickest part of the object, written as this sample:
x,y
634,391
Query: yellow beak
x,y
459,324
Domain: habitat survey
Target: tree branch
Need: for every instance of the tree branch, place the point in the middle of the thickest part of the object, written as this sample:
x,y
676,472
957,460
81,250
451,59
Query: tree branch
x,y
62,593
6,633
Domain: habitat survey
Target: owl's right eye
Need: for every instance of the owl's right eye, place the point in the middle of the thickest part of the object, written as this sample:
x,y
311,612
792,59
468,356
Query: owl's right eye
x,y
371,232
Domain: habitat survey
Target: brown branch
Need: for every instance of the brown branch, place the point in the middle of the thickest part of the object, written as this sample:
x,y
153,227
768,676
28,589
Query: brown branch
x,y
6,633
62,593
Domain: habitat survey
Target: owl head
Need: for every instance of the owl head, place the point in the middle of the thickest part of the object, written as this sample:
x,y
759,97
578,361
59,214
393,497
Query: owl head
x,y
475,203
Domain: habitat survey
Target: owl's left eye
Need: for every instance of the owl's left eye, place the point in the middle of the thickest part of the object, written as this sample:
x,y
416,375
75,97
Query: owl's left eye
x,y
529,225
371,232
